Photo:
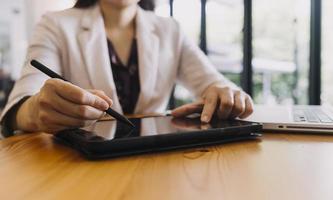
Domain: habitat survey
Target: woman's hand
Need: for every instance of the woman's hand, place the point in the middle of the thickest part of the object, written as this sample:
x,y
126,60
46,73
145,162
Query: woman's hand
x,y
60,105
222,100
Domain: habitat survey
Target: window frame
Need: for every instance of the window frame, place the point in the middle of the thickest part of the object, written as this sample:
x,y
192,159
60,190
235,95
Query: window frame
x,y
247,73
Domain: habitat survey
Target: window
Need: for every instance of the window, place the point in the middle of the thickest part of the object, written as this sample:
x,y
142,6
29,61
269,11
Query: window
x,y
17,19
280,45
281,32
224,36
283,37
327,47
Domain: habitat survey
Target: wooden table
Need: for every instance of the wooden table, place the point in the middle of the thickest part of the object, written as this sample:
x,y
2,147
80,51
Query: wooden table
x,y
280,166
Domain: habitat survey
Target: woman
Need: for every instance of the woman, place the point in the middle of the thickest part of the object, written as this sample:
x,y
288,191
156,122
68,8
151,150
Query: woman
x,y
128,58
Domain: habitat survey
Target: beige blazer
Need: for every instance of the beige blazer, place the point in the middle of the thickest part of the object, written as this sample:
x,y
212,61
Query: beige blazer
x,y
73,43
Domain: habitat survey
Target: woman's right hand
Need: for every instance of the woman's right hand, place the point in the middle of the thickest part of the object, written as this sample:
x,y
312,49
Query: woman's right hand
x,y
60,105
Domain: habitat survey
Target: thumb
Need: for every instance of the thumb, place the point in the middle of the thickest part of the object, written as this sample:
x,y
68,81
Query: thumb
x,y
188,109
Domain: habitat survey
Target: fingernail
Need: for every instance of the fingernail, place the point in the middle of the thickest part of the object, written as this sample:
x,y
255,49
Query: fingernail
x,y
204,118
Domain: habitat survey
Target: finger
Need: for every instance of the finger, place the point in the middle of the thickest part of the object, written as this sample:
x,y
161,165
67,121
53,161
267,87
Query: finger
x,y
103,96
239,105
226,105
209,107
50,117
187,109
76,94
66,107
248,107
205,126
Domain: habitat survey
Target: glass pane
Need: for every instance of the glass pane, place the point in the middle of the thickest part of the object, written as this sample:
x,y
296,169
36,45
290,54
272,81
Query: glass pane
x,y
327,49
12,45
186,12
17,21
224,36
281,49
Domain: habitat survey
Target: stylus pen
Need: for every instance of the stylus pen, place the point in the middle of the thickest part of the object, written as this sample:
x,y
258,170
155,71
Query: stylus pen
x,y
52,74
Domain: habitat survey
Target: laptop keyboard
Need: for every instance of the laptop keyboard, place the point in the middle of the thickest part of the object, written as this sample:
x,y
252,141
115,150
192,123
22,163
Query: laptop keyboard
x,y
311,115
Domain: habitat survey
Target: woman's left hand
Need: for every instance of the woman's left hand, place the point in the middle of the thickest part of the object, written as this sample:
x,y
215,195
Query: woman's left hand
x,y
223,100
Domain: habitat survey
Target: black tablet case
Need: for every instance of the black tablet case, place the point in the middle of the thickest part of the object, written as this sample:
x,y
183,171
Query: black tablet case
x,y
95,147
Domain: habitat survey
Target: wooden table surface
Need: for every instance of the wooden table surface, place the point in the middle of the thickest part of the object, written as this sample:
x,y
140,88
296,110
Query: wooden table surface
x,y
280,166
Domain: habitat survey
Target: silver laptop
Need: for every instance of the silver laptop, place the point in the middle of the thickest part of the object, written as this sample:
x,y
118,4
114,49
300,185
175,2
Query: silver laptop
x,y
317,119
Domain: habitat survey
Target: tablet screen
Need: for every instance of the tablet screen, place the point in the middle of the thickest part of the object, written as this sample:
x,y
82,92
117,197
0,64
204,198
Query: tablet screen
x,y
150,126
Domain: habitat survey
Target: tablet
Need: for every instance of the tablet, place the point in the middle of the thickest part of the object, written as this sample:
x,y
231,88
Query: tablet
x,y
107,139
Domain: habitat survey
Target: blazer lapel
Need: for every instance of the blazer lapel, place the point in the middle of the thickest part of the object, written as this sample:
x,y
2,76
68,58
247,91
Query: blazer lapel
x,y
93,44
148,51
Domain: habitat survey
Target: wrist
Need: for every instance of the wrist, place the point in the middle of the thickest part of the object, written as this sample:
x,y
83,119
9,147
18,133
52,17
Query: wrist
x,y
24,118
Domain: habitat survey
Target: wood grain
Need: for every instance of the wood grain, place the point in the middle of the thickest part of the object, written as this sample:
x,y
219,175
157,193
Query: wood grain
x,y
280,166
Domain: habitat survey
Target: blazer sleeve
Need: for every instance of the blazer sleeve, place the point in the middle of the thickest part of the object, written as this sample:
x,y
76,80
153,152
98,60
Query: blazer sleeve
x,y
44,47
196,72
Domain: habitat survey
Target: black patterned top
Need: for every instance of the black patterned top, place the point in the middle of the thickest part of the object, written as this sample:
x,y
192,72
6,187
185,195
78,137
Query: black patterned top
x,y
126,77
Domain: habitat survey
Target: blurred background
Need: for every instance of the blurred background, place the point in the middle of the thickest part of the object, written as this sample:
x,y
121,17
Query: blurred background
x,y
268,47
